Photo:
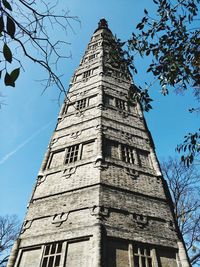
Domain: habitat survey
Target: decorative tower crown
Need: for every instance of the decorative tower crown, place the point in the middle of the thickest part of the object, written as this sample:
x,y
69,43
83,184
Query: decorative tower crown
x,y
103,24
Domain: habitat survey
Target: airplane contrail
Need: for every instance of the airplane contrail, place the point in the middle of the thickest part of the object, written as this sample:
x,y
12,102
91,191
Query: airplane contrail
x,y
10,154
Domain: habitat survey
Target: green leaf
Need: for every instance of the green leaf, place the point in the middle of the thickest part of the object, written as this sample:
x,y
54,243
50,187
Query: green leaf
x,y
10,27
8,80
1,24
7,5
7,53
15,74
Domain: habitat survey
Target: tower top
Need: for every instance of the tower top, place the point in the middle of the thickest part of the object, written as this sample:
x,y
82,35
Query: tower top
x,y
102,24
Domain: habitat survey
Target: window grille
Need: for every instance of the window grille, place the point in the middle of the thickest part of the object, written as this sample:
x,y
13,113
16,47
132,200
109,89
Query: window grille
x,y
86,74
128,154
80,104
121,104
52,255
91,57
142,257
72,154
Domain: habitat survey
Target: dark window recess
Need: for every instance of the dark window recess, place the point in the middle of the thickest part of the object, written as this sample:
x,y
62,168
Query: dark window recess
x,y
94,46
52,255
121,104
142,257
91,57
72,154
128,154
86,74
80,104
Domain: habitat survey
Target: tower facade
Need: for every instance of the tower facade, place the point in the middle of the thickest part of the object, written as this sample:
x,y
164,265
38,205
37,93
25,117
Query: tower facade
x,y
100,199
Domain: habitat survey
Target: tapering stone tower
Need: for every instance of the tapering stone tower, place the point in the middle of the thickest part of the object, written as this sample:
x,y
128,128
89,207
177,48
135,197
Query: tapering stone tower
x,y
100,199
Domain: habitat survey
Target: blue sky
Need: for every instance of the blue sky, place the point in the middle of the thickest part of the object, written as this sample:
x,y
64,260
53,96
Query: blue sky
x,y
29,117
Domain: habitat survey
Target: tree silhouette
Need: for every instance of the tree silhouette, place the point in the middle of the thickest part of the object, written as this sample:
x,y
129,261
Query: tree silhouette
x,y
183,184
9,229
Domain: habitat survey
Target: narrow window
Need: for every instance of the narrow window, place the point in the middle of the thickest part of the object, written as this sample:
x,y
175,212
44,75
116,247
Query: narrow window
x,y
80,104
142,257
91,57
86,73
121,104
52,255
128,154
72,154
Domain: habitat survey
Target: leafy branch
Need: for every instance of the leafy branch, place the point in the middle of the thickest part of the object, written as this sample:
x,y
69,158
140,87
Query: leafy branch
x,y
28,27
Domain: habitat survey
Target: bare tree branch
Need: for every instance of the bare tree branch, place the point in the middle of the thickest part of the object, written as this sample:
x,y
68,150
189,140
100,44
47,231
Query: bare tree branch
x,y
28,28
9,229
183,184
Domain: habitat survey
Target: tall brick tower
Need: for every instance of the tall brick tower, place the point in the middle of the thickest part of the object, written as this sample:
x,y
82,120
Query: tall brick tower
x,y
100,199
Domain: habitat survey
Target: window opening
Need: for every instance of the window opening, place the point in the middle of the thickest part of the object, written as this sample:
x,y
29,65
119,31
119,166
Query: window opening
x,y
128,154
72,154
91,57
52,255
120,104
86,74
142,257
80,104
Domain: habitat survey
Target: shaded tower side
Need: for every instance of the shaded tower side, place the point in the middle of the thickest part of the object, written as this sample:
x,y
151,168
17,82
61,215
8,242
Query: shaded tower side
x,y
99,199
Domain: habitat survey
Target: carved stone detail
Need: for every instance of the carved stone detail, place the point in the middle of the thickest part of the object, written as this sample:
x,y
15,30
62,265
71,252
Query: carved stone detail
x,y
68,172
123,113
100,163
41,179
100,212
58,219
76,134
79,113
126,135
27,224
140,219
83,93
101,106
133,173
61,119
53,141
